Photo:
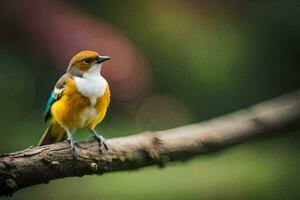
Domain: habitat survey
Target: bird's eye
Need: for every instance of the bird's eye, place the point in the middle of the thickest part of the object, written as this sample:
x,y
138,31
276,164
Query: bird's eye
x,y
87,60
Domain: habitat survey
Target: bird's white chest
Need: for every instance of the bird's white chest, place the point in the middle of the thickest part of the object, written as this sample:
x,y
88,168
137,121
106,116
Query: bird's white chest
x,y
91,86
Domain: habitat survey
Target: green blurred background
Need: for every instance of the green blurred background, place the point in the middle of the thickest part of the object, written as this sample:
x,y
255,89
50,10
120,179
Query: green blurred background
x,y
201,59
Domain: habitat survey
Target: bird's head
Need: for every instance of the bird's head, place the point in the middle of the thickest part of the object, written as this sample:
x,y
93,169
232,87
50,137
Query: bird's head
x,y
86,62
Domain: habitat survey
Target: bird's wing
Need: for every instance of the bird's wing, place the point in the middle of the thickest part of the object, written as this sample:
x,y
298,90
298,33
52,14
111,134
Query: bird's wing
x,y
56,94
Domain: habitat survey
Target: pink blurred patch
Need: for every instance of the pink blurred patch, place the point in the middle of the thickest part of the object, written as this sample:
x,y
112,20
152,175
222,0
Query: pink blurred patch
x,y
60,31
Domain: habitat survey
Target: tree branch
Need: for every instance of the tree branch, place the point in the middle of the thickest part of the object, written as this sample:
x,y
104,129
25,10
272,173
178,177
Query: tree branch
x,y
42,164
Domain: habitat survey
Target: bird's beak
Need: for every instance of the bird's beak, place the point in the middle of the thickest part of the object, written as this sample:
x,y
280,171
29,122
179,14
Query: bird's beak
x,y
101,59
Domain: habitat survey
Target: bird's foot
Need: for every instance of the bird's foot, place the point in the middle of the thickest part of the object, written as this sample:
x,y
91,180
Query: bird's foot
x,y
100,140
73,145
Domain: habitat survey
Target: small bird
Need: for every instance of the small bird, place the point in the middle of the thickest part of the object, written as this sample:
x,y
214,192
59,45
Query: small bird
x,y
80,99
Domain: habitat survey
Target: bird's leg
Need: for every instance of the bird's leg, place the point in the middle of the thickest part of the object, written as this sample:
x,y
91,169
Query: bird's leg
x,y
99,139
72,141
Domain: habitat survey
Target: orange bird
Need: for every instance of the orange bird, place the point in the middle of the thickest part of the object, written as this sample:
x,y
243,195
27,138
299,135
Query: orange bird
x,y
80,99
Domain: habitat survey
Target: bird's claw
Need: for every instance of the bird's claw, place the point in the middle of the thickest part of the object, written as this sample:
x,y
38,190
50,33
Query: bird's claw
x,y
101,142
73,145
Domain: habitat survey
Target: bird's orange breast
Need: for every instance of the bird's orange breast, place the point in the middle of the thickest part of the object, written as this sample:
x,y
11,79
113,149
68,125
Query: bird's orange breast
x,y
74,110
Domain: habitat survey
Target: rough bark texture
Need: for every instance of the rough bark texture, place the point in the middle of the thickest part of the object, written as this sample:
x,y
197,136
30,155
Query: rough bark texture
x,y
40,165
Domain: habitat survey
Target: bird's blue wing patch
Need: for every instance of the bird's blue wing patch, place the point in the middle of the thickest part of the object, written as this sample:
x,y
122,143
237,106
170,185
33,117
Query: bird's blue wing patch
x,y
50,101
56,94
53,97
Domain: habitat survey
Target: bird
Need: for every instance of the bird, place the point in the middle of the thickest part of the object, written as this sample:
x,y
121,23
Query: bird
x,y
79,99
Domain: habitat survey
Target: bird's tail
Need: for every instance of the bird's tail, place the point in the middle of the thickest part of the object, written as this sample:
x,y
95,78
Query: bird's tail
x,y
54,133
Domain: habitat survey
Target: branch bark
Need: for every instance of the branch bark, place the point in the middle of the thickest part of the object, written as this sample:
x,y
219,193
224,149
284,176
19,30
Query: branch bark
x,y
41,164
